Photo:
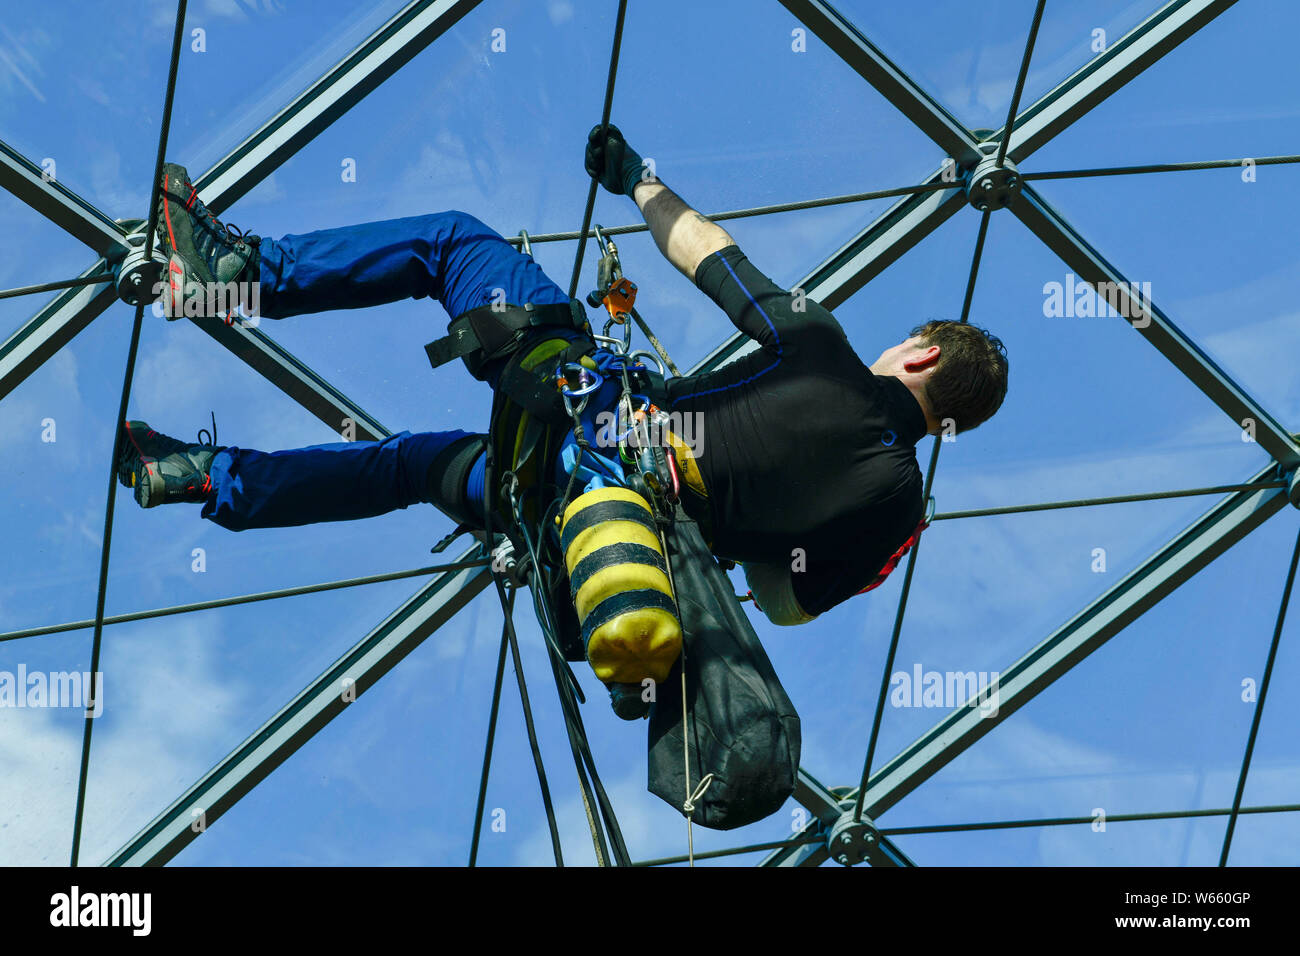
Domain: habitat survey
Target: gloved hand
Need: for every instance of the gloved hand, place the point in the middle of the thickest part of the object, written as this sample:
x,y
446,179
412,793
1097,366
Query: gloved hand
x,y
611,161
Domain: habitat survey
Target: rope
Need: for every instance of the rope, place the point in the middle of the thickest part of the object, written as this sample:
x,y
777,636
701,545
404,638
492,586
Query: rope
x,y
584,762
975,265
911,556
688,807
101,595
244,599
1161,168
934,452
654,341
754,211
604,121
1020,82
1074,821
491,735
55,286
1259,705
1115,499
509,626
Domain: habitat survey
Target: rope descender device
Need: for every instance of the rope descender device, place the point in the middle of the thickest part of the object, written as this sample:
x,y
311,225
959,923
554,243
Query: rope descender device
x,y
613,290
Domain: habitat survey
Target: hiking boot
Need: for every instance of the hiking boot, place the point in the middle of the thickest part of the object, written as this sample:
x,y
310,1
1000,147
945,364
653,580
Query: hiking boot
x,y
163,470
209,262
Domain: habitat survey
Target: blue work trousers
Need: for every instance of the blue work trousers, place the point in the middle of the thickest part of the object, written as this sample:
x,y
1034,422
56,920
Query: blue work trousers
x,y
449,256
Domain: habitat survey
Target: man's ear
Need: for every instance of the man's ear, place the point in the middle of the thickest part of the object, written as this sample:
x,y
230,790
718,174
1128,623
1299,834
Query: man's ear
x,y
919,360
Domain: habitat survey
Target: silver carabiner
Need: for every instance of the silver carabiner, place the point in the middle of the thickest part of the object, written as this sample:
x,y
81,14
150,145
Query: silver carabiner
x,y
663,370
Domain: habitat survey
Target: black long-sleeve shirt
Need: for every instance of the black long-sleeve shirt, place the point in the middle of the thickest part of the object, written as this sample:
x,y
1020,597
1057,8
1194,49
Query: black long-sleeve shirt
x,y
801,446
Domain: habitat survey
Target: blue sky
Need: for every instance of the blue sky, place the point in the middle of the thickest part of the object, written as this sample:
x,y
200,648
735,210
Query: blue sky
x,y
733,117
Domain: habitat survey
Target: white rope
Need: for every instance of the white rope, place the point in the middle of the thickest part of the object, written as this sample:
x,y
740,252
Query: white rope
x,y
688,807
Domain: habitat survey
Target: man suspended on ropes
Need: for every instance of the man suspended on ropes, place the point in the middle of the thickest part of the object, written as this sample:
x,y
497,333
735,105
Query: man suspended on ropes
x,y
804,470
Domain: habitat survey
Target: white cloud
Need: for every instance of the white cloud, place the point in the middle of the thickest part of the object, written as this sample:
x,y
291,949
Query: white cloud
x,y
51,393
18,62
168,711
560,11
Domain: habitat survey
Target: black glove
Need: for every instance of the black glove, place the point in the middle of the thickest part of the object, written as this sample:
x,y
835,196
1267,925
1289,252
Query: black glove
x,y
611,161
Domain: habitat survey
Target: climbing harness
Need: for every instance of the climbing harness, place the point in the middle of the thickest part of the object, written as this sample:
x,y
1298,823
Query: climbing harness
x,y
906,546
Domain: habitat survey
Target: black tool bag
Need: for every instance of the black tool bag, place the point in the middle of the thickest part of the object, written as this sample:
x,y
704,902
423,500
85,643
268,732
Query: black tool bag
x,y
743,727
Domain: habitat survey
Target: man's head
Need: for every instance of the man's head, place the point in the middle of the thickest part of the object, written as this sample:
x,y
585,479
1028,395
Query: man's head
x,y
957,371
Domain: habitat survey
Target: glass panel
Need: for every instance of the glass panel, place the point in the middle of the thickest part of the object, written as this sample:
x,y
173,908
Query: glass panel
x,y
43,696
490,119
45,254
100,124
193,687
968,56
463,147
985,591
1215,245
1153,721
54,469
1065,430
1224,92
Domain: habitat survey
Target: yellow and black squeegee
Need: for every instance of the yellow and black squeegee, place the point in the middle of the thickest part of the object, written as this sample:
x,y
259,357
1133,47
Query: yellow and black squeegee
x,y
619,582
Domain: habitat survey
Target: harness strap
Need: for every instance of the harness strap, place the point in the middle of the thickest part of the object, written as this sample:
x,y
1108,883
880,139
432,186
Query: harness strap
x,y
897,556
533,389
492,330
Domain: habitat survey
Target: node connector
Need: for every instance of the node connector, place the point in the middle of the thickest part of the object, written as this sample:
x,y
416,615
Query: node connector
x,y
990,186
850,841
1293,488
137,277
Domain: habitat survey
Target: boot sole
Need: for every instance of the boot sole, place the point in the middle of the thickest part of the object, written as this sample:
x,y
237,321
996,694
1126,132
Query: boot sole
x,y
149,486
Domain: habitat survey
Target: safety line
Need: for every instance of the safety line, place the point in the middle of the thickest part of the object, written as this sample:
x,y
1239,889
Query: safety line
x,y
1259,705
117,432
934,452
604,121
244,599
568,690
975,265
528,723
1020,83
1074,821
658,346
1161,168
491,736
1115,499
755,211
488,508
911,555
56,286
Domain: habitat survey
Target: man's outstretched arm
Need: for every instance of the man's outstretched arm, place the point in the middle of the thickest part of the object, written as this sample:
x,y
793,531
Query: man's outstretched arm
x,y
684,236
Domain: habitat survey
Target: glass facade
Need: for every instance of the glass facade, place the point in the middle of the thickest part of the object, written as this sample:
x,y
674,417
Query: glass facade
x,y
741,105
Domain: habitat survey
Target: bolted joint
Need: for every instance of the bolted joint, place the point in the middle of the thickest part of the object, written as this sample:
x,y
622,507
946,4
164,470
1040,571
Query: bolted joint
x,y
136,276
990,186
852,841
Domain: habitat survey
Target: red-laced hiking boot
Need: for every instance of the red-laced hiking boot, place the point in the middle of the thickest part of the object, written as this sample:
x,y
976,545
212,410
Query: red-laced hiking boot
x,y
164,470
208,260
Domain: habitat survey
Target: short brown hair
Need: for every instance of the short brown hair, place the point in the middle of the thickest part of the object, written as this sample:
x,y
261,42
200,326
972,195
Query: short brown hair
x,y
970,381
